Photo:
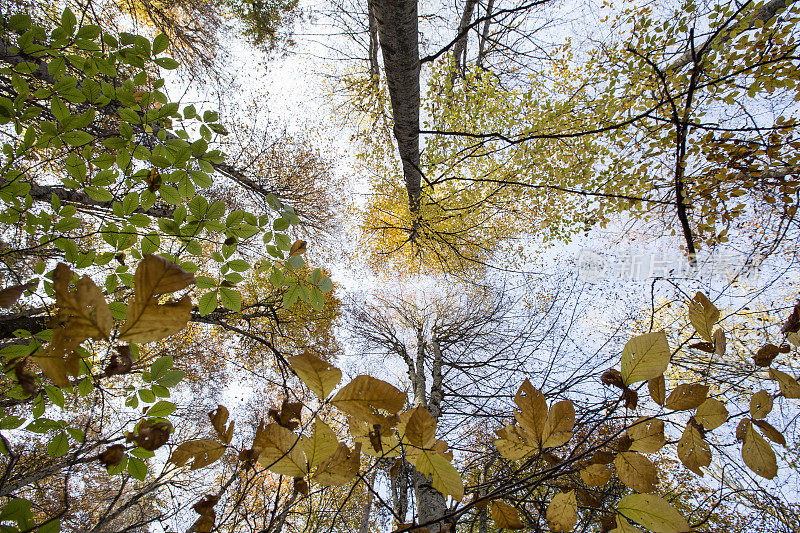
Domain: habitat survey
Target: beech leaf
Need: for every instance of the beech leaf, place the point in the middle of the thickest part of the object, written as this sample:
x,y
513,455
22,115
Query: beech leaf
x,y
562,513
318,375
506,516
645,357
652,512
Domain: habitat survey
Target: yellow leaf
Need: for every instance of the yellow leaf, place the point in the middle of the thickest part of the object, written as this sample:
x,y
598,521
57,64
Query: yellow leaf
x,y
532,415
558,428
444,477
760,404
693,451
417,428
340,468
202,452
687,396
647,435
513,443
219,418
711,414
364,395
789,385
703,315
623,526
280,450
645,357
758,455
657,389
321,445
653,513
505,516
365,434
319,376
147,320
562,513
636,471
596,475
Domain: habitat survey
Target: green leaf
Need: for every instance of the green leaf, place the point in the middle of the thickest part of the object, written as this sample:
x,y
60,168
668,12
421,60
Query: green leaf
x,y
55,394
167,63
161,409
207,303
160,367
169,380
239,265
231,299
59,445
137,468
160,43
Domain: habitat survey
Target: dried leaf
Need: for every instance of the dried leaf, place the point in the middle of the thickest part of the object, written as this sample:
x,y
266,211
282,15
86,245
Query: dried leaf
x,y
612,377
559,425
562,513
417,428
319,376
711,414
506,516
532,414
219,418
301,486
321,444
792,324
645,357
280,450
758,455
647,435
11,294
636,471
707,347
513,443
298,248
630,397
693,450
112,456
289,414
653,513
720,342
595,475
789,385
340,468
760,404
657,389
687,396
765,355
365,434
623,526
770,432
119,364
147,320
364,395
703,315
205,508
741,428
202,452
152,435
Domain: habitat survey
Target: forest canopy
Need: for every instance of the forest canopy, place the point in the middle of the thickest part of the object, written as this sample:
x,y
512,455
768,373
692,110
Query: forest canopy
x,y
508,265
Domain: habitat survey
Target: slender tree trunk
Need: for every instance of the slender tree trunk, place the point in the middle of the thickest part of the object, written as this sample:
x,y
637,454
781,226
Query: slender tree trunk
x,y
460,48
398,30
484,35
374,71
364,527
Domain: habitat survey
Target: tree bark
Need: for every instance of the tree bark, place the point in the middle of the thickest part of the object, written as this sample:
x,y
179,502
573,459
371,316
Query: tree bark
x,y
364,526
484,34
374,71
460,47
398,31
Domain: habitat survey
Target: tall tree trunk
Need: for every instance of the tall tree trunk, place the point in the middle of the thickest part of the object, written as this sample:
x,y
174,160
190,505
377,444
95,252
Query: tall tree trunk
x,y
399,41
374,71
364,526
484,34
460,48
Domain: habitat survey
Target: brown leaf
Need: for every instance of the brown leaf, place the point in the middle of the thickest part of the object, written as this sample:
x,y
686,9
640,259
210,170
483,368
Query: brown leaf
x,y
202,452
636,471
766,355
687,396
770,432
760,404
148,320
631,398
298,248
657,389
693,450
82,314
120,364
505,516
758,455
219,418
289,415
205,508
707,347
741,429
647,435
720,342
26,380
152,435
301,486
595,475
612,377
788,384
112,456
11,294
792,324
602,457
319,376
